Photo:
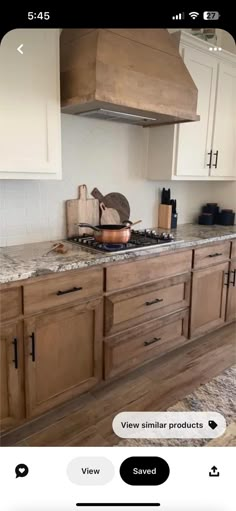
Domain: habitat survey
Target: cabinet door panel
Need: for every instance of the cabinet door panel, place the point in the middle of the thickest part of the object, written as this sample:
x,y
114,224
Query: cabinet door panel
x,y
231,298
194,139
208,299
11,375
30,104
66,358
224,139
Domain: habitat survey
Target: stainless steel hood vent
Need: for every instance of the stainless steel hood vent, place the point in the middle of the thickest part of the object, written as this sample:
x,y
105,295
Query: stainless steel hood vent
x,y
135,76
112,115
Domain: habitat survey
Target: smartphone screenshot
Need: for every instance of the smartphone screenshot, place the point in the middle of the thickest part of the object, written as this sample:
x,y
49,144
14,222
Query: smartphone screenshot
x,y
117,261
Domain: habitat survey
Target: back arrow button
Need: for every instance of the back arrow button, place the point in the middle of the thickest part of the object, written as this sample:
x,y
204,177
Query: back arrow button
x,y
19,49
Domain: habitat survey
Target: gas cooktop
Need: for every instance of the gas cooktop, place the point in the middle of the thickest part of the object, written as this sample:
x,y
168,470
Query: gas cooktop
x,y
139,240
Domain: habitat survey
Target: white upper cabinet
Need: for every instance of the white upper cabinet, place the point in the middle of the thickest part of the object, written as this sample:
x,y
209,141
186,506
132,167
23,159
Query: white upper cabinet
x,y
224,132
30,129
205,149
194,141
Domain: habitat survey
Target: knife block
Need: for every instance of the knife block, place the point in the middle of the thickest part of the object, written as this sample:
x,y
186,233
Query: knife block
x,y
164,216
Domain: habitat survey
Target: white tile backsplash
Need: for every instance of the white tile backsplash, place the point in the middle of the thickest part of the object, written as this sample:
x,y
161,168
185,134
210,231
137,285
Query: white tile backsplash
x,y
109,156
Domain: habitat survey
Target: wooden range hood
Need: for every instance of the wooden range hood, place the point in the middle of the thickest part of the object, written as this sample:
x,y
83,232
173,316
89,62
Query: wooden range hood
x,y
135,76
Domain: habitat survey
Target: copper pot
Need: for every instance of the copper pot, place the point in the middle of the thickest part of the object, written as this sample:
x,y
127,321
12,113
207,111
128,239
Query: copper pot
x,y
112,234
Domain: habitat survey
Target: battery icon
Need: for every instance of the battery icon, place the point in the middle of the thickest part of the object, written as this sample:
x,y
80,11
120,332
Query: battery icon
x,y
211,15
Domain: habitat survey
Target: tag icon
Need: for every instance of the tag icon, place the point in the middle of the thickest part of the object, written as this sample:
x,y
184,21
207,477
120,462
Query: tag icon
x,y
212,424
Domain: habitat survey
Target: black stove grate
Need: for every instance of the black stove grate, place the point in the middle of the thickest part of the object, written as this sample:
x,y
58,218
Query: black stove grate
x,y
139,239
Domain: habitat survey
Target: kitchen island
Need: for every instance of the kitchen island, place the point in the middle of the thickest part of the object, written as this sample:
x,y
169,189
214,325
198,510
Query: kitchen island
x,y
75,321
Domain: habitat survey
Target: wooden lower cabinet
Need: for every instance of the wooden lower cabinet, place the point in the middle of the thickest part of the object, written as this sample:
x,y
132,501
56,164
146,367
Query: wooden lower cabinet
x,y
129,308
209,292
135,273
62,355
211,255
132,348
231,298
11,375
10,304
233,250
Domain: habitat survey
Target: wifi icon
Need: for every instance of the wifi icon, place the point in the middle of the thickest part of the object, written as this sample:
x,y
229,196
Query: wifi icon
x,y
194,15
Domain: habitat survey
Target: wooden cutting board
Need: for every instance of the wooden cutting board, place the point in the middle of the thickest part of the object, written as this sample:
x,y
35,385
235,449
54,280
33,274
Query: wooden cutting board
x,y
109,215
116,201
81,210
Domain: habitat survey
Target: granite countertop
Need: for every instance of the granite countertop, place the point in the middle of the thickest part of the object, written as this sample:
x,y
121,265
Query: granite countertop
x,y
22,262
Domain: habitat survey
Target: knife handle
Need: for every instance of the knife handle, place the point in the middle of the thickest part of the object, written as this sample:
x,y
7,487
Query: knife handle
x,y
164,196
97,195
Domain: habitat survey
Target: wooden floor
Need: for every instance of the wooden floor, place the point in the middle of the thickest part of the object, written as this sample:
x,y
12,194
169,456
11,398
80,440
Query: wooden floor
x,y
87,421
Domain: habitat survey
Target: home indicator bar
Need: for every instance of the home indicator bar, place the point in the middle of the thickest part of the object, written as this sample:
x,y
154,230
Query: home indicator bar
x,y
124,504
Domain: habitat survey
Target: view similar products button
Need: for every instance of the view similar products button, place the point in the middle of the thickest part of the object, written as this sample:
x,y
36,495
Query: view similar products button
x,y
169,425
144,471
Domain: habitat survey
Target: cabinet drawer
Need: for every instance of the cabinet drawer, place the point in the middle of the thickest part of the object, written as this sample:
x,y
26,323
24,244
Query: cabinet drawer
x,y
127,309
139,345
62,289
125,275
233,250
213,254
10,303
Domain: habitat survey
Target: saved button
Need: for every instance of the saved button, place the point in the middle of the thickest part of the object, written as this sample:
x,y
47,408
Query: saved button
x,y
144,471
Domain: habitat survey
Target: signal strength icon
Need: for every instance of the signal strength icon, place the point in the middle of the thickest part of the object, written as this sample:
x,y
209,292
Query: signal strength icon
x,y
179,16
194,15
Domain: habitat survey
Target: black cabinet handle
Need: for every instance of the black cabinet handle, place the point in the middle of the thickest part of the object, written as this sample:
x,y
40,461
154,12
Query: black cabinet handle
x,y
216,160
155,339
72,290
234,277
227,274
157,300
32,337
15,359
217,254
209,164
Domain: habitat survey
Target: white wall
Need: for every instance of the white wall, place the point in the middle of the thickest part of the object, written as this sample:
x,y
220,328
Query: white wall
x,y
108,155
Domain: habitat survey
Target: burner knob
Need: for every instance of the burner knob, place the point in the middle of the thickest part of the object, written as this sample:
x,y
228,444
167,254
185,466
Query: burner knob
x,y
153,232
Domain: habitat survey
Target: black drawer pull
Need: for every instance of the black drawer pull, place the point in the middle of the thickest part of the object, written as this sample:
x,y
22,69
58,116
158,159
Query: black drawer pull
x,y
32,337
216,160
215,255
15,359
72,290
227,274
157,300
155,339
234,277
209,164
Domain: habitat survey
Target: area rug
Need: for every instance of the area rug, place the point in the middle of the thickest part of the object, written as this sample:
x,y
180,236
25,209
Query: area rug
x,y
218,395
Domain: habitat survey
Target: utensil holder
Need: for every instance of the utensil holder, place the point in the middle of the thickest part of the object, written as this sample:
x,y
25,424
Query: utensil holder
x,y
164,216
